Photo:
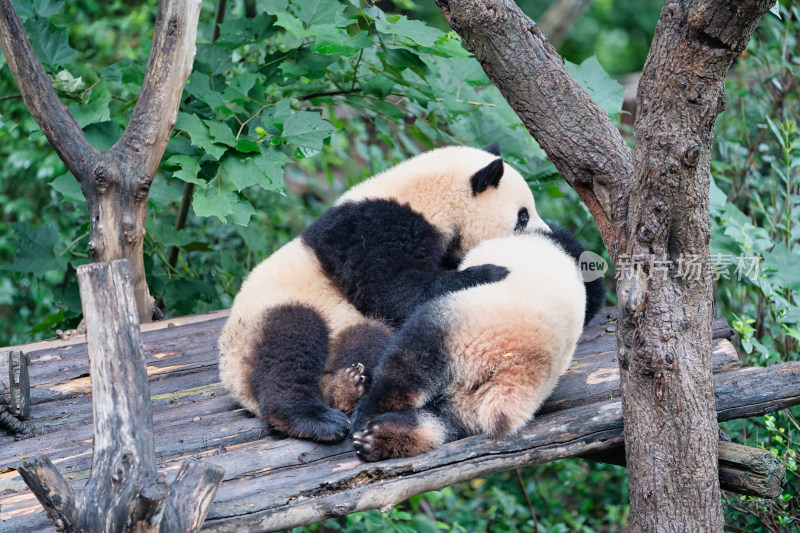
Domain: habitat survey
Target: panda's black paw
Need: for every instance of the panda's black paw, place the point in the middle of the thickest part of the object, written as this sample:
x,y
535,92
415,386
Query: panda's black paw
x,y
480,274
322,425
371,445
392,435
346,387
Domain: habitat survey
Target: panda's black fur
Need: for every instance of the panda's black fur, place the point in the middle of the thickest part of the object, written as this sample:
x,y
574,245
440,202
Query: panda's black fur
x,y
311,320
360,246
595,290
480,360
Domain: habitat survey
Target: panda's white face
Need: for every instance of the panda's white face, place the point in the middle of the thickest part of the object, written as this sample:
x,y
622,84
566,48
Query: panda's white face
x,y
499,211
438,184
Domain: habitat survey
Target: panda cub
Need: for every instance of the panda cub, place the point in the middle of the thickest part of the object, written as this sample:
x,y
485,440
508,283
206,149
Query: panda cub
x,y
483,359
310,320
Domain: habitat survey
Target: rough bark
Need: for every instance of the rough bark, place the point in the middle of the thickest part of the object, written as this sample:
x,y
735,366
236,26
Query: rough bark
x,y
124,491
116,182
652,207
666,311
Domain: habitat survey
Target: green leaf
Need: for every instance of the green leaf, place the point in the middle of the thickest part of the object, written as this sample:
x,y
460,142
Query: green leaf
x,y
316,11
406,30
189,168
167,235
94,110
198,133
103,135
239,88
221,132
307,129
216,205
333,40
50,43
448,45
65,83
602,88
273,6
292,25
36,249
242,211
238,31
308,64
783,266
244,172
401,59
41,8
68,186
246,146
199,86
163,194
212,59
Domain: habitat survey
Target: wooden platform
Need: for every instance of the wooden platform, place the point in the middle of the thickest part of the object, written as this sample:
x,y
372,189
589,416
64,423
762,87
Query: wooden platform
x,y
274,483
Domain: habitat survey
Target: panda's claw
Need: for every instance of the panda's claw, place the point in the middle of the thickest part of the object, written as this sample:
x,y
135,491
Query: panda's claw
x,y
346,387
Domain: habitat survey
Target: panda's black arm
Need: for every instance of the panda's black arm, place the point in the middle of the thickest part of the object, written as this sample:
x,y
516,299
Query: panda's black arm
x,y
387,259
413,369
395,297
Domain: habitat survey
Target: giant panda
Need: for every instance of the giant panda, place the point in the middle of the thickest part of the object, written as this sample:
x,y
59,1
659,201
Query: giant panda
x,y
483,359
310,320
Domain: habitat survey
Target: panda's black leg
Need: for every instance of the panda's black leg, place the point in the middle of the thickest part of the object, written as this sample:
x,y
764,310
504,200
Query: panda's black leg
x,y
354,353
406,433
285,377
413,368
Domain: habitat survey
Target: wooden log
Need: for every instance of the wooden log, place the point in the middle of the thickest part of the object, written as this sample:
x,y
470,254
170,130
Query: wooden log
x,y
742,469
273,484
15,396
124,491
750,471
195,417
320,489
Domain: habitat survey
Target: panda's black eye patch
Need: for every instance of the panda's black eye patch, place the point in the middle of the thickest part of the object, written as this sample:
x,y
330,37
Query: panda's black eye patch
x,y
522,219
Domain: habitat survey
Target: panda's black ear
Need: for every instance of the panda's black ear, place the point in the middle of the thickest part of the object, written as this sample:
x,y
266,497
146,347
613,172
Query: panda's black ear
x,y
493,148
488,176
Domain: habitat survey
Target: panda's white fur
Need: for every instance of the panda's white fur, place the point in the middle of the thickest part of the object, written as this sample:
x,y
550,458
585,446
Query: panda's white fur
x,y
522,331
435,184
501,350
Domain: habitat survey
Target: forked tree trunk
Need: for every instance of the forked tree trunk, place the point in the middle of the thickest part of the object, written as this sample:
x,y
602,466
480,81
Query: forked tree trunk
x,y
651,209
125,492
116,182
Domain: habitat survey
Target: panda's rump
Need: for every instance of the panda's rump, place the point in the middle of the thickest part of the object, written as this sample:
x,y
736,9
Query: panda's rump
x,y
506,356
292,275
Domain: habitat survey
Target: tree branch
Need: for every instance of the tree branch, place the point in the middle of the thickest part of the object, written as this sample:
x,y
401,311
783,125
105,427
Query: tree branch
x,y
575,133
168,68
45,106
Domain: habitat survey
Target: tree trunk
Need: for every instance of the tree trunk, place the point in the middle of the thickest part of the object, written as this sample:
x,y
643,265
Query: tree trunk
x,y
652,214
124,492
116,182
664,334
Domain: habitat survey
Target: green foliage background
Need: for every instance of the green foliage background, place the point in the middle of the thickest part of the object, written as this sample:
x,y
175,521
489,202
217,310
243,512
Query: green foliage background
x,y
285,110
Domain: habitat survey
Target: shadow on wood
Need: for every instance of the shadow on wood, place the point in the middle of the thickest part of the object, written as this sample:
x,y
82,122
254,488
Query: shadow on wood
x,y
273,483
124,491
